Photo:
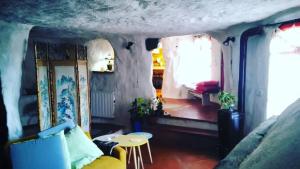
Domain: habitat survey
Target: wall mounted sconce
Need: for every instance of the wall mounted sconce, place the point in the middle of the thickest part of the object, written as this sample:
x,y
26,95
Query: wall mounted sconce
x,y
151,43
128,45
228,39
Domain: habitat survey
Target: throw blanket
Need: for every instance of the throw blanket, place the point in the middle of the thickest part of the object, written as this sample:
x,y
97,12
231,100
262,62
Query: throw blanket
x,y
277,146
106,146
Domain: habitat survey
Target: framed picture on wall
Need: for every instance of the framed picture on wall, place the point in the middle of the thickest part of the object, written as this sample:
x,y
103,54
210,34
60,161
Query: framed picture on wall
x,y
45,117
65,91
84,95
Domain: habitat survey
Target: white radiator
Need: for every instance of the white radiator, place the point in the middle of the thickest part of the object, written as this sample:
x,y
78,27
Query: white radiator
x,y
103,104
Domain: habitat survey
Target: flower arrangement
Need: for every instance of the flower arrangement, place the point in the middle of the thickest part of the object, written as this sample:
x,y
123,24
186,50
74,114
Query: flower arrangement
x,y
142,108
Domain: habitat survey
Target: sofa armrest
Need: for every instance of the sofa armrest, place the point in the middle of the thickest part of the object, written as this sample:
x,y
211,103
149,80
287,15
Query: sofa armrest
x,y
120,154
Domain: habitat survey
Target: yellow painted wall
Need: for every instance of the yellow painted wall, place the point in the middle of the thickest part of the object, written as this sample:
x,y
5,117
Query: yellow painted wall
x,y
158,59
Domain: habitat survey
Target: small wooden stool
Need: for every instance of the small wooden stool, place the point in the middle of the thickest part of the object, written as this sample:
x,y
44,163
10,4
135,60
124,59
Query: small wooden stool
x,y
147,136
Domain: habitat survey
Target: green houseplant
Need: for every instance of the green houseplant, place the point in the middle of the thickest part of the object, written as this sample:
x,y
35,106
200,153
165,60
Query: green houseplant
x,y
139,110
227,100
229,123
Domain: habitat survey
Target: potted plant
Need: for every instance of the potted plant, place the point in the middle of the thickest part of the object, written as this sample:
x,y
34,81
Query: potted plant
x,y
156,107
159,108
227,100
140,109
229,123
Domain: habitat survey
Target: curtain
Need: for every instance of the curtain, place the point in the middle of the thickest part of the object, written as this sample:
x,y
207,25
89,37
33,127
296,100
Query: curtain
x,y
171,88
189,60
230,67
257,79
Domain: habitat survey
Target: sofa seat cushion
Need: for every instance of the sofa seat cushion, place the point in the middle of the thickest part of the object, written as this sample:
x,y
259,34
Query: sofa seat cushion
x,y
105,162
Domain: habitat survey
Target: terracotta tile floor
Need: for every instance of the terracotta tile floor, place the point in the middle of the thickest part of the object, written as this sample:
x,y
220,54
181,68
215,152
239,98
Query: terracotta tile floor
x,y
177,158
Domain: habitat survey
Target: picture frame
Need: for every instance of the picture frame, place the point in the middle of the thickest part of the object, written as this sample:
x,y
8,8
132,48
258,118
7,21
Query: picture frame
x,y
44,96
84,98
65,105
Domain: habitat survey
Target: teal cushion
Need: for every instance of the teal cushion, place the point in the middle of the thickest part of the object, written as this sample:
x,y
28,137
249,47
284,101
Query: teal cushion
x,y
68,124
82,150
65,149
43,153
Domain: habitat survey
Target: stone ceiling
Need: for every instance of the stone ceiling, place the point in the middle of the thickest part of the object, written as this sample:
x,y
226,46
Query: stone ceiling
x,y
146,17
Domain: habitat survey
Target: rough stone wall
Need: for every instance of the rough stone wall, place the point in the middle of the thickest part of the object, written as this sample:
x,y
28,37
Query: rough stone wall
x,y
132,76
159,17
28,67
13,47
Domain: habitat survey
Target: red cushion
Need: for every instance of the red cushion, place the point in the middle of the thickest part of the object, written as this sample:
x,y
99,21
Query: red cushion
x,y
208,83
207,87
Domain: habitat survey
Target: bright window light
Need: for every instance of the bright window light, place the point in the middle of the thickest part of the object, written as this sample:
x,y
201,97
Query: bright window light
x,y
284,68
195,61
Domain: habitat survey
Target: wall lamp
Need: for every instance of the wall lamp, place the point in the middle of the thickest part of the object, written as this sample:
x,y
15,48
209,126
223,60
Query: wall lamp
x,y
228,39
128,45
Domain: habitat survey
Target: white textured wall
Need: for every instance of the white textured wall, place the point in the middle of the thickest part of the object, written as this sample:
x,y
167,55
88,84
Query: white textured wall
x,y
13,46
132,76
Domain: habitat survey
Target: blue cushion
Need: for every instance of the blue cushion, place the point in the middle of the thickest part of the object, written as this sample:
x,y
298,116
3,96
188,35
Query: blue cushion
x,y
68,124
43,153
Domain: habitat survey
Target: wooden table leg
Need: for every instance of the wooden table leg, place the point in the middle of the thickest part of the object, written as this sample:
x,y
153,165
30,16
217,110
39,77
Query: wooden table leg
x,y
140,154
134,157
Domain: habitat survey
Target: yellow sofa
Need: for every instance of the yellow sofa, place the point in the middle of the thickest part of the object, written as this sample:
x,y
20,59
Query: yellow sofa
x,y
118,161
108,162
